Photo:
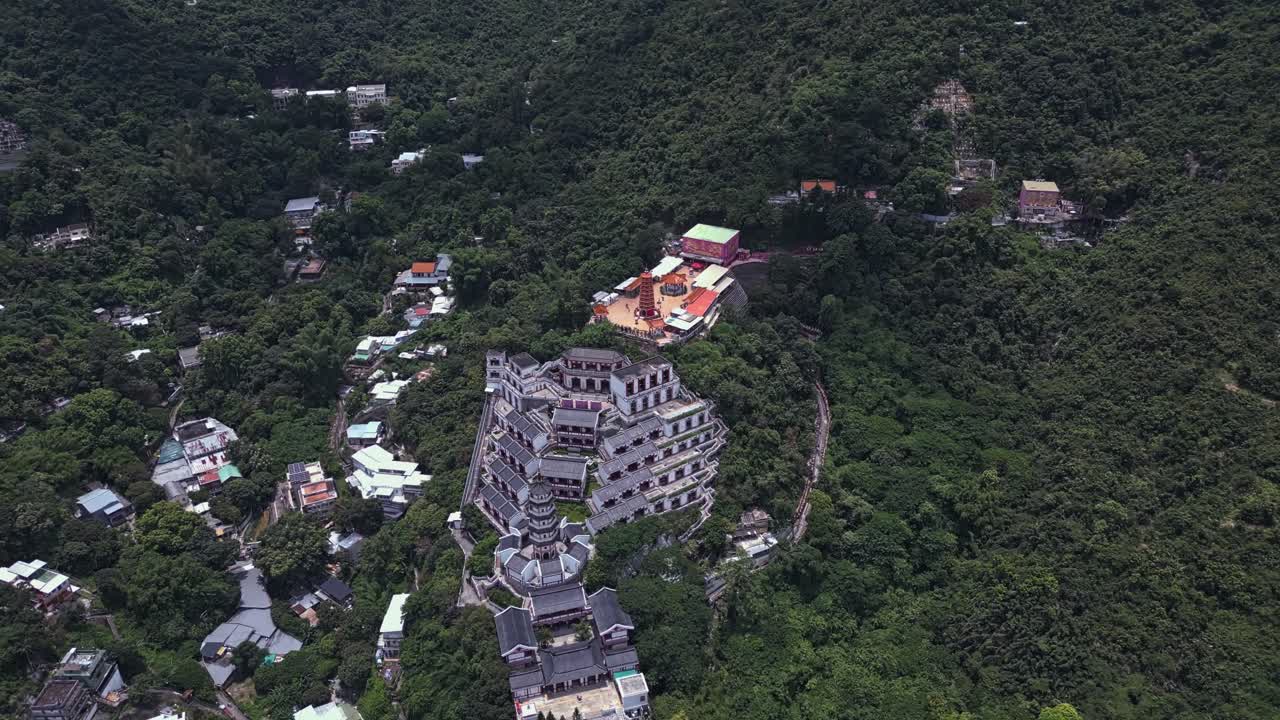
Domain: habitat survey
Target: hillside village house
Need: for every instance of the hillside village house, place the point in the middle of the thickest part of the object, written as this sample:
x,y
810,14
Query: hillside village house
x,y
360,96
49,589
62,699
189,357
280,97
335,710
206,446
195,457
363,435
251,623
377,475
99,683
424,275
363,139
104,506
64,237
391,632
300,212
313,270
407,160
310,491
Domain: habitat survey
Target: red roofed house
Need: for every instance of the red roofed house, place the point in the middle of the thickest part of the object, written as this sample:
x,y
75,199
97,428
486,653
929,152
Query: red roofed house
x,y
312,270
317,498
422,269
808,186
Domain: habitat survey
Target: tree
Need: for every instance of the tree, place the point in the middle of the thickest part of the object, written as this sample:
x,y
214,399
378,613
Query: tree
x,y
922,191
363,515
171,596
293,550
247,656
1061,711
169,530
481,562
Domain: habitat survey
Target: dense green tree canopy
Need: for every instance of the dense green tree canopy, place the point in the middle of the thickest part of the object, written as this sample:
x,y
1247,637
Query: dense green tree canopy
x,y
1051,476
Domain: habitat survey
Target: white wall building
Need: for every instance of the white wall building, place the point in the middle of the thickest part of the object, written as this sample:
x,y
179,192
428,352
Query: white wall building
x,y
394,483
359,96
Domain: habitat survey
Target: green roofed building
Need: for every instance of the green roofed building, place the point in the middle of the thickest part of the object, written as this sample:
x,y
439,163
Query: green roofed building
x,y
710,243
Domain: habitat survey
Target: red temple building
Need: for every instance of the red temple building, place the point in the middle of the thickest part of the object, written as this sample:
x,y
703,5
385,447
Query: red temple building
x,y
1038,197
710,243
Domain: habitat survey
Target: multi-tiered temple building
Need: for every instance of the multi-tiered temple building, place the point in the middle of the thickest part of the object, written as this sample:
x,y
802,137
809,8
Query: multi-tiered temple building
x,y
625,438
590,427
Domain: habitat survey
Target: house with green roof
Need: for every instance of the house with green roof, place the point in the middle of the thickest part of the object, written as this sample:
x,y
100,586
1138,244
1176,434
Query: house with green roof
x,y
710,243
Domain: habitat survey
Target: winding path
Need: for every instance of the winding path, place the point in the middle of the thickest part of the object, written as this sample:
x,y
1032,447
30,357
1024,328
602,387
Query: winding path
x,y
800,521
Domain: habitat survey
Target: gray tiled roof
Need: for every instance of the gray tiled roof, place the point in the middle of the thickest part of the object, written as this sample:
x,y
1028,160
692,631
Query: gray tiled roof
x,y
580,418
101,500
622,660
509,513
619,440
339,591
507,475
569,662
607,612
509,445
515,628
594,355
560,599
622,461
523,360
643,367
609,516
252,592
301,204
620,487
525,679
563,466
522,425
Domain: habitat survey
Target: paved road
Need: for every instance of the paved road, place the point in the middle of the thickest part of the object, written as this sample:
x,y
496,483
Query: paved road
x,y
173,414
339,430
232,710
176,697
473,472
800,522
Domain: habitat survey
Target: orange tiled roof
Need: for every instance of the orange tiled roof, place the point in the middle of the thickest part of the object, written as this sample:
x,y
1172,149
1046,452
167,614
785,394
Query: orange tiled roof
x,y
700,306
423,267
826,185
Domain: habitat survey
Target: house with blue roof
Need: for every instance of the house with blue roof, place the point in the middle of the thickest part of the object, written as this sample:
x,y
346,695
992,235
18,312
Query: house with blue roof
x,y
105,506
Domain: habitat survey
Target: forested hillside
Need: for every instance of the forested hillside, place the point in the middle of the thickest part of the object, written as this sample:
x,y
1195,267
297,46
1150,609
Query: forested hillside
x,y
1052,474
